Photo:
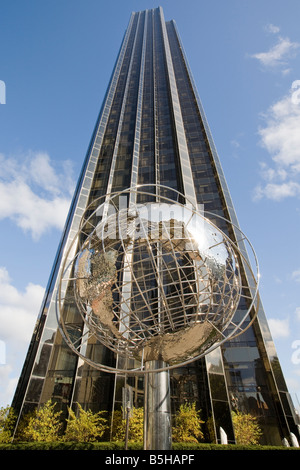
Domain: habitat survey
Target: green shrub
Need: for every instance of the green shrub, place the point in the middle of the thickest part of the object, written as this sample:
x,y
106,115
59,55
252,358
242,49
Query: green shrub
x,y
187,426
136,425
44,424
7,423
246,428
86,427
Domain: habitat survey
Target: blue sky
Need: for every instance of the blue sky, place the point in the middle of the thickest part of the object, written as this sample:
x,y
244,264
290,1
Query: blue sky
x,y
55,62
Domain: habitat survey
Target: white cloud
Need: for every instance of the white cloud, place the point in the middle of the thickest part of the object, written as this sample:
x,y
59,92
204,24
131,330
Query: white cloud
x,y
279,328
33,194
8,385
18,314
279,54
281,138
296,275
271,174
18,310
277,192
235,143
42,172
271,28
297,313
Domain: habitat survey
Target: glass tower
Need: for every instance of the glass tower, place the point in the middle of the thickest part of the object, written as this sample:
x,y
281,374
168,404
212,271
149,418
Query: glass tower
x,y
152,129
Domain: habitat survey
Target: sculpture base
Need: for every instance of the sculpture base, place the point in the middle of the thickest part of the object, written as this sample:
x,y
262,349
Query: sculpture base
x,y
157,408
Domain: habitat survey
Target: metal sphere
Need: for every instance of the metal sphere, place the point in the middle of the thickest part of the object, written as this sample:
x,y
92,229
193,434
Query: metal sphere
x,y
154,279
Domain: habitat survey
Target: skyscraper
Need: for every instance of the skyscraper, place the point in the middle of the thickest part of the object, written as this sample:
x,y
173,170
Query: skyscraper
x,y
152,129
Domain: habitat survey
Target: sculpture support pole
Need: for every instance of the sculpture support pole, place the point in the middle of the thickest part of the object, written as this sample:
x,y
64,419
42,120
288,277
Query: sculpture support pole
x,y
157,408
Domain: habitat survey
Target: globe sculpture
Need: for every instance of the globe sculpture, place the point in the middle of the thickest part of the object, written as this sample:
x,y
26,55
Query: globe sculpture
x,y
155,280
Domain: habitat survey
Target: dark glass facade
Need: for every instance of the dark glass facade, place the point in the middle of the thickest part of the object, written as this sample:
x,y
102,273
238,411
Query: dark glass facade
x,y
152,130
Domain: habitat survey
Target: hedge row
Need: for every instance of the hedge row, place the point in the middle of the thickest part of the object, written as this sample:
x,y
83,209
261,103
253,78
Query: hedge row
x,y
115,446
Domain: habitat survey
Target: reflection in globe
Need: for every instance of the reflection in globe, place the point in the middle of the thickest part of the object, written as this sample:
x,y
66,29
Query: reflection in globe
x,y
155,280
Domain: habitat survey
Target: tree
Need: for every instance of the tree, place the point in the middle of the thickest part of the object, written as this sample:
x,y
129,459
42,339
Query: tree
x,y
7,423
187,426
44,425
86,427
246,428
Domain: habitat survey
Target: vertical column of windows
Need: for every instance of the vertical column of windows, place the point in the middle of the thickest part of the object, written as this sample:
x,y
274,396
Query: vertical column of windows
x,y
157,169
137,140
110,141
146,169
205,179
166,164
125,154
185,166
